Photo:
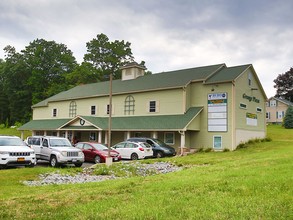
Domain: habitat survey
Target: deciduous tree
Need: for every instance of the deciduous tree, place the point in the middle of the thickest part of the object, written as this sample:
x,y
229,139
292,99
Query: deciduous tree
x,y
284,85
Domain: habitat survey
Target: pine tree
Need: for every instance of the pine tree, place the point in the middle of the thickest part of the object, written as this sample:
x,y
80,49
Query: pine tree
x,y
288,120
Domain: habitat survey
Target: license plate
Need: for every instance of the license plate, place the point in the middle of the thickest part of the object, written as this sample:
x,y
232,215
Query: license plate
x,y
20,159
74,161
115,158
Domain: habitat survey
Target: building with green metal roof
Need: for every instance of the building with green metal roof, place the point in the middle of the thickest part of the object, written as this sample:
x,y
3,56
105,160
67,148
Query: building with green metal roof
x,y
204,107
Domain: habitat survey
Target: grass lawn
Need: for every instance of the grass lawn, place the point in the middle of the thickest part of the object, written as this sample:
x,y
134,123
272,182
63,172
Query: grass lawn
x,y
249,183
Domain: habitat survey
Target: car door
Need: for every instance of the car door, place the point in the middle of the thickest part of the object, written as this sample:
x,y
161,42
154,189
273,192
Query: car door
x,y
35,143
131,148
89,153
120,149
45,151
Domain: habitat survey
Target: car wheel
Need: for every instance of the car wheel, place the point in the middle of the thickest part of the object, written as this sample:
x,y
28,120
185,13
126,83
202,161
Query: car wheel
x,y
97,159
134,156
78,164
159,154
53,161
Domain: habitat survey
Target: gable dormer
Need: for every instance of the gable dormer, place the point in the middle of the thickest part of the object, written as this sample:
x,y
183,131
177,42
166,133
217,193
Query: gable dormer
x,y
132,71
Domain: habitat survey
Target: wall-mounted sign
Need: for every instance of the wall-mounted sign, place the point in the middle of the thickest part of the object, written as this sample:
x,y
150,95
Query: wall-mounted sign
x,y
217,112
251,119
250,98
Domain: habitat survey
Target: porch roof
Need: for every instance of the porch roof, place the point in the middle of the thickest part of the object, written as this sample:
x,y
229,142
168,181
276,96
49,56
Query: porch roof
x,y
125,123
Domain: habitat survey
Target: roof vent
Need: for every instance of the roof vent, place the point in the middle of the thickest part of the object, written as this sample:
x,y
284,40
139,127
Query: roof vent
x,y
132,71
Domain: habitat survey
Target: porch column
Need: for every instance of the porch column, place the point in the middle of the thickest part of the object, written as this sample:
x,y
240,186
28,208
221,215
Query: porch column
x,y
21,135
66,134
155,134
100,137
182,142
58,133
45,133
128,135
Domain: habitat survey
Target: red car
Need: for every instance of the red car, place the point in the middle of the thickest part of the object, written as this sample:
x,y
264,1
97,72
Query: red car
x,y
95,152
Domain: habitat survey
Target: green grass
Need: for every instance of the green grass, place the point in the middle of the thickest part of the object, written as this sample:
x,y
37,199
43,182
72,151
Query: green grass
x,y
250,183
13,131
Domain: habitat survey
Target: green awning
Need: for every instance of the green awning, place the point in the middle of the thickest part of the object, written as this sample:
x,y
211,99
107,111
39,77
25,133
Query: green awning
x,y
44,124
127,123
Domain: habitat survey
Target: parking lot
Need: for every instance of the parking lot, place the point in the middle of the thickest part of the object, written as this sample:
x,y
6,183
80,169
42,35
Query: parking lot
x,y
44,163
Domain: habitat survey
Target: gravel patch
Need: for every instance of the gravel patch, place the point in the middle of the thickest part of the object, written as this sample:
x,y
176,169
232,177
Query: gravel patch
x,y
86,175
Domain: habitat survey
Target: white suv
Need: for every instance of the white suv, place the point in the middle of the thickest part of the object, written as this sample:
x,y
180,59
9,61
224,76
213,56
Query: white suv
x,y
14,152
56,150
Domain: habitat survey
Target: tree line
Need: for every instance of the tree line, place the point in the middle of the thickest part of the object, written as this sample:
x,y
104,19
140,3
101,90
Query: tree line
x,y
45,68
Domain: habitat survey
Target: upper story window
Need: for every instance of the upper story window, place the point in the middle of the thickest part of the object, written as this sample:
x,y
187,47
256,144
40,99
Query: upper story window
x,y
249,79
273,103
153,106
72,109
258,109
129,105
108,109
242,105
54,112
93,110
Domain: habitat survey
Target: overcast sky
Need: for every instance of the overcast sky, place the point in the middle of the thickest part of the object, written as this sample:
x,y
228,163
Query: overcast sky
x,y
166,34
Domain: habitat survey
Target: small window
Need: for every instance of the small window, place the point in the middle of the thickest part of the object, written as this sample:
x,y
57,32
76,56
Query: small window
x,y
249,79
268,115
273,103
93,110
258,109
54,112
169,138
108,108
217,142
152,107
242,105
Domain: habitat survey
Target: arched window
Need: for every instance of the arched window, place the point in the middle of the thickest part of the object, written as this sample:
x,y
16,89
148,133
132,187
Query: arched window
x,y
72,109
129,105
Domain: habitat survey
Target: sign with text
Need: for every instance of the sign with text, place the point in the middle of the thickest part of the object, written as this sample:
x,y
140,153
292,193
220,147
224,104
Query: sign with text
x,y
217,112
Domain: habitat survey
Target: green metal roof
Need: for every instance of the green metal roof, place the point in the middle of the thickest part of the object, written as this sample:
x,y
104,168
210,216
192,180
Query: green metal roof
x,y
160,122
164,80
44,124
227,74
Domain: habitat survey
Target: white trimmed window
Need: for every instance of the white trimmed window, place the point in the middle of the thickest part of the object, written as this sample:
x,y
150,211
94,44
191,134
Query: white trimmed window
x,y
93,110
72,109
108,108
169,138
153,106
258,109
217,142
249,79
54,112
273,103
268,115
243,106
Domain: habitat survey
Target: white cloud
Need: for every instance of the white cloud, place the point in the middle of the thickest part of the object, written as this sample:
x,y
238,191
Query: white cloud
x,y
167,34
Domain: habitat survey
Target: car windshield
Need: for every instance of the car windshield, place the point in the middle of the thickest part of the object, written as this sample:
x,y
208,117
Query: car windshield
x,y
11,142
59,143
100,147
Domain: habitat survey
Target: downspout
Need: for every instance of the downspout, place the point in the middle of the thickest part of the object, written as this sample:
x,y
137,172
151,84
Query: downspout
x,y
233,117
182,142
